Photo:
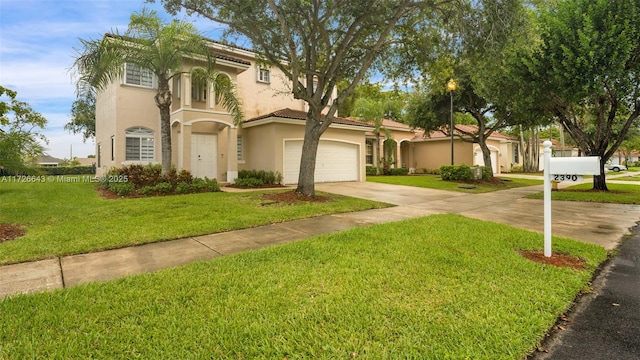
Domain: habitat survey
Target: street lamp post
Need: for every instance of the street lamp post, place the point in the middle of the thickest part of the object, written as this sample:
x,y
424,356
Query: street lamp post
x,y
451,86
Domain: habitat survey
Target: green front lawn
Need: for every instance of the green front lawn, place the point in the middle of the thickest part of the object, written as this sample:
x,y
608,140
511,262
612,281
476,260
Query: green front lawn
x,y
71,218
439,287
617,194
435,182
627,178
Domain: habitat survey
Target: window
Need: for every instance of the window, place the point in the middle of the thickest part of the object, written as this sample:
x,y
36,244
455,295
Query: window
x,y
369,159
516,154
177,86
199,91
139,144
135,75
99,155
264,75
240,151
113,148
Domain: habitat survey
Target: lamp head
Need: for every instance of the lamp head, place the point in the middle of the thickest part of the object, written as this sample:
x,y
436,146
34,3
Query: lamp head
x,y
451,85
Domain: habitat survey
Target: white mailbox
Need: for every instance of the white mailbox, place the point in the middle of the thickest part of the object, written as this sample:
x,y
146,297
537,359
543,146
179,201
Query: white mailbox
x,y
587,165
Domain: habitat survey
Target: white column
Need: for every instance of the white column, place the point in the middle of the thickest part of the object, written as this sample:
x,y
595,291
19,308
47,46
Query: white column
x,y
232,154
187,89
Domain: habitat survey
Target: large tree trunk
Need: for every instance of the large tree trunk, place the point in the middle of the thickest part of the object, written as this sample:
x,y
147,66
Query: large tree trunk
x,y
163,101
486,152
599,182
306,178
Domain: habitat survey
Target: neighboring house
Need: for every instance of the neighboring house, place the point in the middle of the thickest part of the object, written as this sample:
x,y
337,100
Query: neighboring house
x,y
49,161
415,150
85,161
204,139
401,134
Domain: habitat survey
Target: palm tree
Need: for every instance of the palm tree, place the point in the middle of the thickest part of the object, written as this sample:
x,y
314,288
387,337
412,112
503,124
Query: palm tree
x,y
161,48
373,112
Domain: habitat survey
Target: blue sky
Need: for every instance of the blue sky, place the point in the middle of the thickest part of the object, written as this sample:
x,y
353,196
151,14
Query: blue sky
x,y
37,41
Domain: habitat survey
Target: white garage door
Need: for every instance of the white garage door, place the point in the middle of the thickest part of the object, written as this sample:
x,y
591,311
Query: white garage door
x,y
494,160
335,161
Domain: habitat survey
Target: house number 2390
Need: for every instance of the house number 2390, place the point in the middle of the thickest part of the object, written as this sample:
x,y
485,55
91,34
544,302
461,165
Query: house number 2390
x,y
564,177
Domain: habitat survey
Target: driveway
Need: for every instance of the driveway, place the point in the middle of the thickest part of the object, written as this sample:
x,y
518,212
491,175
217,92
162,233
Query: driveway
x,y
602,224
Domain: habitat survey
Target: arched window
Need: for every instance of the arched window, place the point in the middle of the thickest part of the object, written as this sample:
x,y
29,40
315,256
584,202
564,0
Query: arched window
x,y
139,144
221,78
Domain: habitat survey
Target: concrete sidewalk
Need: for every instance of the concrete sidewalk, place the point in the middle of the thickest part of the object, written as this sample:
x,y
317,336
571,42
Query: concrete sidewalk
x,y
603,224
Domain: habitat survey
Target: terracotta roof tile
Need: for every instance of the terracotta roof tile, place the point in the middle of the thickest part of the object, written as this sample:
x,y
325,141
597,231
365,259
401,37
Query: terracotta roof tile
x,y
438,134
302,115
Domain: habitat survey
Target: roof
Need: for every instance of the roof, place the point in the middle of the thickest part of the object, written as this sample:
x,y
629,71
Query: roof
x,y
47,159
440,134
302,115
217,56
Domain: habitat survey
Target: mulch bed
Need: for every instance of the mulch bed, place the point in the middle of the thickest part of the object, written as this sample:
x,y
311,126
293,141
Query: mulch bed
x,y
560,260
10,232
291,197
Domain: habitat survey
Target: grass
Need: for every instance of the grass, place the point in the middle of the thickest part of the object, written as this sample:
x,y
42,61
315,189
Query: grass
x,y
413,289
63,218
628,178
435,182
617,194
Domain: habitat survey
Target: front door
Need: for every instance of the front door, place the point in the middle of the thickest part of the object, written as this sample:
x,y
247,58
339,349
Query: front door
x,y
203,155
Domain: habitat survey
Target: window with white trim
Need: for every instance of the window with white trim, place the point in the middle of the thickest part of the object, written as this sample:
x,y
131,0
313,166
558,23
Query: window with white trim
x,y
199,91
239,148
369,159
264,75
139,144
135,75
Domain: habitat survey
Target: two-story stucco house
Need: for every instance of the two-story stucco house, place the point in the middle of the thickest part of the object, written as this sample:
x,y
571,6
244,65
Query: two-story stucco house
x,y
204,139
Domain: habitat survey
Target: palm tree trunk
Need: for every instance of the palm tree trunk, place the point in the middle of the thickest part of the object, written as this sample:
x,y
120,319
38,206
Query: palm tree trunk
x,y
163,101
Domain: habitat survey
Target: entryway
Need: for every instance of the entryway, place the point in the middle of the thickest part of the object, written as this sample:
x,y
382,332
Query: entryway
x,y
204,155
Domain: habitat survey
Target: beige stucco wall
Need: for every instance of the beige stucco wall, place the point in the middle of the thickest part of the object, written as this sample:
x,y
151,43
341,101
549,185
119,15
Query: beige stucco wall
x,y
264,144
259,98
431,154
118,102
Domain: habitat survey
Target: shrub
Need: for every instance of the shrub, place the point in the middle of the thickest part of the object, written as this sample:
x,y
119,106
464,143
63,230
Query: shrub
x,y
456,173
249,182
487,173
371,170
399,171
163,188
148,180
203,185
517,169
121,188
146,190
266,177
183,187
185,177
66,170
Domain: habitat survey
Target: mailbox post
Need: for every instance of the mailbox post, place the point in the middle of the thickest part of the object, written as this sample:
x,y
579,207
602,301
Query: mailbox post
x,y
562,169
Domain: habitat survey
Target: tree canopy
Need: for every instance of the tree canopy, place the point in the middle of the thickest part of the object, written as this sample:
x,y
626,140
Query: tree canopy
x,y
19,133
83,116
586,72
316,43
475,52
